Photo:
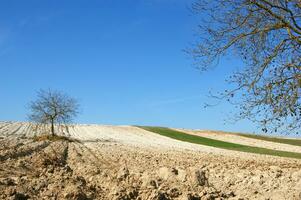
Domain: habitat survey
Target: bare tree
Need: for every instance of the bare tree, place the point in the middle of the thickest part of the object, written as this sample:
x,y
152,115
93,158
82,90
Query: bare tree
x,y
53,108
266,35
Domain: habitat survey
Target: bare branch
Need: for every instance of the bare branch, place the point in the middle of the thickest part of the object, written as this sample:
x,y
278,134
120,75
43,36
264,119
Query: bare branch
x,y
53,108
266,35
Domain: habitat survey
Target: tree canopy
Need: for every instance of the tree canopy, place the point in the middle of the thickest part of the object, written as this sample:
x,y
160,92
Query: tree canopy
x,y
266,35
53,108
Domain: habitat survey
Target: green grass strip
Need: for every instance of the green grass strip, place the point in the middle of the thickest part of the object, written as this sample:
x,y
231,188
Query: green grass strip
x,y
217,143
295,142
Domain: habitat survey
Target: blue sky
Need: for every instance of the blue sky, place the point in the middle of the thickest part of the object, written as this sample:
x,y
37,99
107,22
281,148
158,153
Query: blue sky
x,y
123,60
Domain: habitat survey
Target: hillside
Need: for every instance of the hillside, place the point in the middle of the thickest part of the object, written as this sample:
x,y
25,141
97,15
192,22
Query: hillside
x,y
125,162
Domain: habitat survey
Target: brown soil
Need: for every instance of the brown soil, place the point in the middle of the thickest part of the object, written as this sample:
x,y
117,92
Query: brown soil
x,y
109,169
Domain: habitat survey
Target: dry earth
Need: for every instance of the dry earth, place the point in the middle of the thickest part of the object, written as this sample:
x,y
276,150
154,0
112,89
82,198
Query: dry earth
x,y
123,162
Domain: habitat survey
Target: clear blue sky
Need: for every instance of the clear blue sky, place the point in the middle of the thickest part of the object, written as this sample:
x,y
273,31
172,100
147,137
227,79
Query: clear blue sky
x,y
121,59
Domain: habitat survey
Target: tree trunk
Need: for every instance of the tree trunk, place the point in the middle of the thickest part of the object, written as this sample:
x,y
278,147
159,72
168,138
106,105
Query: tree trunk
x,y
52,127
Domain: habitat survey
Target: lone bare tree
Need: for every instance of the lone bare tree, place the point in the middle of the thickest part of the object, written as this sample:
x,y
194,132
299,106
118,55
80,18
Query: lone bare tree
x,y
53,108
266,35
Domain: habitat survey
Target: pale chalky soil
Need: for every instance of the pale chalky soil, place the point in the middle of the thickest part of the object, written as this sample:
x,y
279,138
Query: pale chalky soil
x,y
123,162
